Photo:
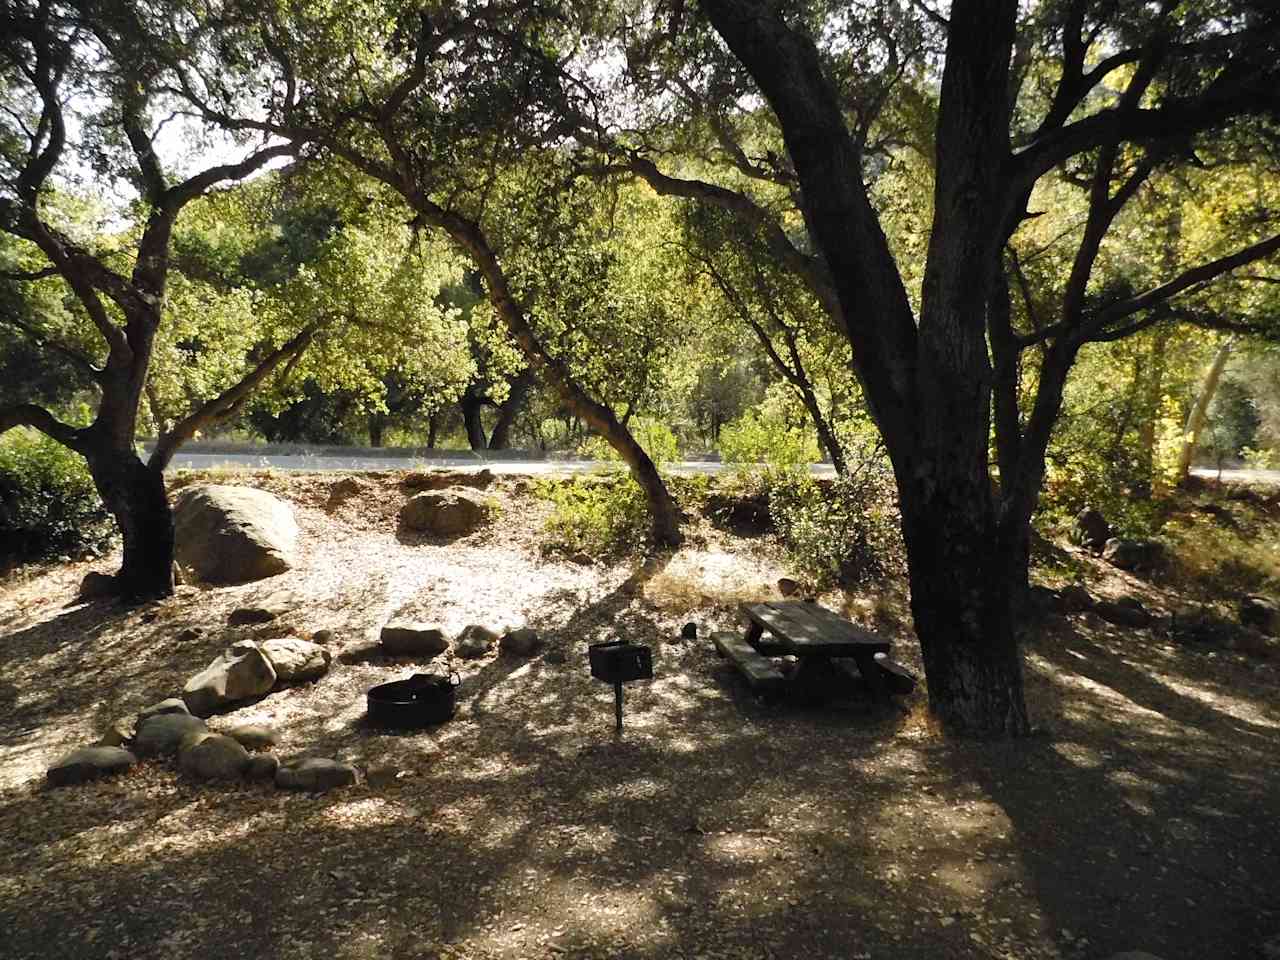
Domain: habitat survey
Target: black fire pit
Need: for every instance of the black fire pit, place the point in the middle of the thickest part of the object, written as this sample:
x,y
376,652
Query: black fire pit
x,y
423,700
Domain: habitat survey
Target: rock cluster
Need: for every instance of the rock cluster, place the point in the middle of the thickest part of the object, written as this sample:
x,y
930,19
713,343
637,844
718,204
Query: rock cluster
x,y
407,638
166,729
248,669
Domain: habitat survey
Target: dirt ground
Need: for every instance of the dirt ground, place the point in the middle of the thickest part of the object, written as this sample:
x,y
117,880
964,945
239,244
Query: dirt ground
x,y
1143,814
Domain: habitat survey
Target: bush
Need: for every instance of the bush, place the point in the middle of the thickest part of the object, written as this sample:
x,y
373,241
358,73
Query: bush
x,y
752,440
845,531
48,504
596,515
654,436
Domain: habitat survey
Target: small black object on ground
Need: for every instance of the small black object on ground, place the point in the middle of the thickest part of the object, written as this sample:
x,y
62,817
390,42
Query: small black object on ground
x,y
619,662
423,700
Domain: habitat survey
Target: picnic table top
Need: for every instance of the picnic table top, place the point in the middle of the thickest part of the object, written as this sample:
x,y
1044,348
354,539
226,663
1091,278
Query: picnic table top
x,y
807,629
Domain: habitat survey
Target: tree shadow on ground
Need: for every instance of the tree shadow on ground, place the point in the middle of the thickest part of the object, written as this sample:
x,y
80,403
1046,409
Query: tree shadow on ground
x,y
1143,809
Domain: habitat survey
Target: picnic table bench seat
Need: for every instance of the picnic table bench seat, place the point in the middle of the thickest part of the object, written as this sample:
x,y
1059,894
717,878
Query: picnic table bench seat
x,y
822,642
761,673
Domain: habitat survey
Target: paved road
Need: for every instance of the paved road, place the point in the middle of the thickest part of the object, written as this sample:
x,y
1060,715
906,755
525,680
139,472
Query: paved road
x,y
366,460
1240,475
366,463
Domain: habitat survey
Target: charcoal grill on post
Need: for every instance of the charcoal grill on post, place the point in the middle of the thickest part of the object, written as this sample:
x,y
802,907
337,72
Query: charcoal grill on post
x,y
619,662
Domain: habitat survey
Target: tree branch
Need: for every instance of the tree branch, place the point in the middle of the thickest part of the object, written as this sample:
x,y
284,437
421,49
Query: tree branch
x,y
230,402
30,415
1187,279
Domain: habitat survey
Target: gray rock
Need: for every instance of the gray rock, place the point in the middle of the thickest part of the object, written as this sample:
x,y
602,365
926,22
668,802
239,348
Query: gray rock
x,y
1126,612
119,734
162,734
445,513
295,659
89,763
689,631
1091,530
241,672
323,637
381,776
315,774
233,534
1134,554
346,488
247,616
1259,613
475,641
262,766
97,586
214,757
404,638
521,643
253,736
1074,599
170,705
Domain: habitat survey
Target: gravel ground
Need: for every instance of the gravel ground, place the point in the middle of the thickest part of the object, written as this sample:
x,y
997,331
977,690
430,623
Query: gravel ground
x,y
1141,816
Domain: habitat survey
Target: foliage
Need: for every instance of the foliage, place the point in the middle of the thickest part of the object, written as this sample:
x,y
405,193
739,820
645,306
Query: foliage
x,y
48,504
654,436
757,438
844,531
594,515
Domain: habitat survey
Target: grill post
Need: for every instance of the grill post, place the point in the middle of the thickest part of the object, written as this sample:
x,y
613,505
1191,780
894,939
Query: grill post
x,y
617,703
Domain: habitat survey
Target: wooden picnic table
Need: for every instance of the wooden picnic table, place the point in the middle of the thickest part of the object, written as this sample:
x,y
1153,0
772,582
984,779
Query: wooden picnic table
x,y
823,642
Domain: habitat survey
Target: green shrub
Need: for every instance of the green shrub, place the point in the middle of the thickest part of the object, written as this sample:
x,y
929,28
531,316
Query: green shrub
x,y
753,439
842,532
654,436
48,504
598,514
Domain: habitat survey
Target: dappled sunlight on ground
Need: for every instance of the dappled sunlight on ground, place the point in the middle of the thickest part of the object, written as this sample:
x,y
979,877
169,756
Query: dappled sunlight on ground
x,y
1141,815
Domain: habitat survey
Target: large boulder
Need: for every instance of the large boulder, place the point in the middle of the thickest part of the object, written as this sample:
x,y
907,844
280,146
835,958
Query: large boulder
x,y
295,659
315,774
1134,554
233,534
445,513
212,756
163,733
406,639
1125,612
89,763
1091,529
1260,614
521,643
241,672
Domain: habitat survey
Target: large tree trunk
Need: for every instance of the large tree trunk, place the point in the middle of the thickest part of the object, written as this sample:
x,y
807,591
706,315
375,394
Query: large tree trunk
x,y
135,495
509,409
962,593
472,403
1200,409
